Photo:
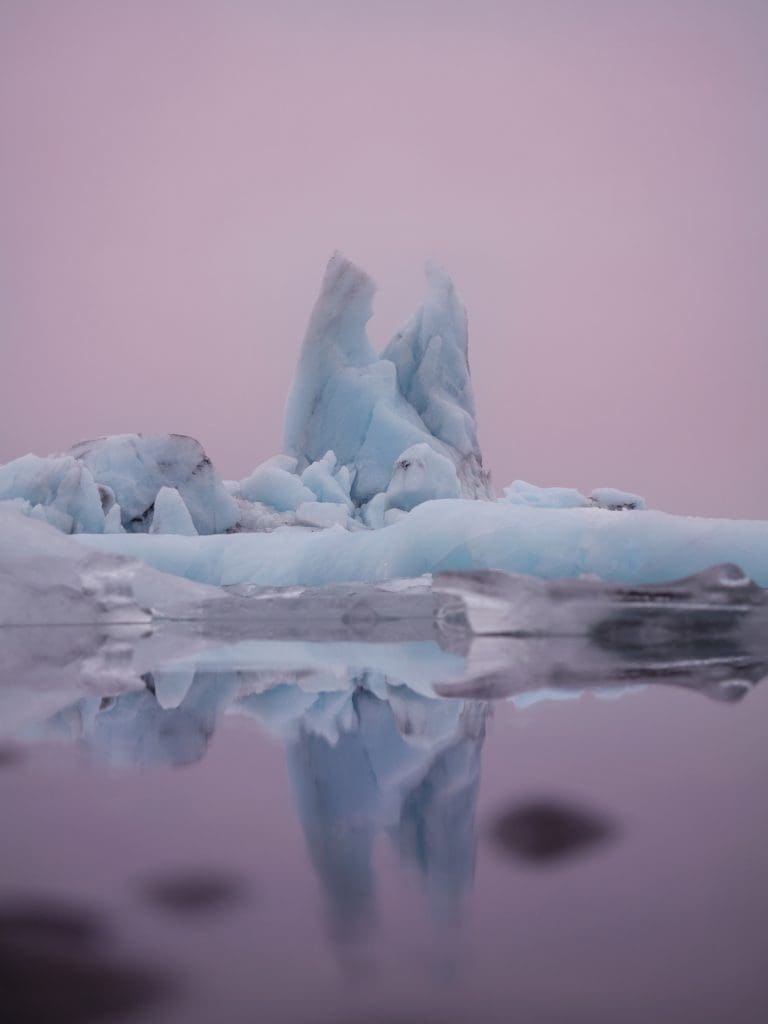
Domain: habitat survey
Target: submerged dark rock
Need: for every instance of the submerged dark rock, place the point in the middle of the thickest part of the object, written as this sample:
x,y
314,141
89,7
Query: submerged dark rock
x,y
197,892
54,967
546,831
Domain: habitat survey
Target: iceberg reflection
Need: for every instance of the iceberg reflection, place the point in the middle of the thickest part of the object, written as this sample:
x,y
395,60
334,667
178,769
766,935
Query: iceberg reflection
x,y
381,701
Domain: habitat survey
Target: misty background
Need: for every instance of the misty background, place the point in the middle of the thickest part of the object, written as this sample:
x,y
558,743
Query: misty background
x,y
174,175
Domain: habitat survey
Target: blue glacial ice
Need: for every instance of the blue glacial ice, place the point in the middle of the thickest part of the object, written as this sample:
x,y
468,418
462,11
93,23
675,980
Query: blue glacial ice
x,y
368,409
421,474
381,477
171,515
296,656
460,534
275,484
134,467
58,490
111,484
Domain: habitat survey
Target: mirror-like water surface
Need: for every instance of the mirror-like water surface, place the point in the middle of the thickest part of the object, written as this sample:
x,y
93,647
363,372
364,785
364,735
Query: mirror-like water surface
x,y
355,827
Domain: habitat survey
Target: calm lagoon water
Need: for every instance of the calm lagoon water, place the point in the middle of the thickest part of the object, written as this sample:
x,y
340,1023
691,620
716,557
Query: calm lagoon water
x,y
244,843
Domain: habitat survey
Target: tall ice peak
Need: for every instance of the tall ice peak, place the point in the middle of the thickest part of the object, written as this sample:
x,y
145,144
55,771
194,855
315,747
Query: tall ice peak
x,y
370,409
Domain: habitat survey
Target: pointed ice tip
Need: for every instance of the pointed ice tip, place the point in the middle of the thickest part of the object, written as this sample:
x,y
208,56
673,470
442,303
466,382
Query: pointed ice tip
x,y
339,265
345,285
437,276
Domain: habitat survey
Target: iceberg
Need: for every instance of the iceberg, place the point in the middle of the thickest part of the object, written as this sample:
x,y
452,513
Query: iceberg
x,y
368,409
381,478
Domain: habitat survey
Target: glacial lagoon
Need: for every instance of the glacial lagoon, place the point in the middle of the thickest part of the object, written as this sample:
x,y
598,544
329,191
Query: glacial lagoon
x,y
362,812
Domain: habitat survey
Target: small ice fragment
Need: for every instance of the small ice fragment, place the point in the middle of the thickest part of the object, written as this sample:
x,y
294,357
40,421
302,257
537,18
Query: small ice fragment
x,y
615,500
273,485
171,515
521,493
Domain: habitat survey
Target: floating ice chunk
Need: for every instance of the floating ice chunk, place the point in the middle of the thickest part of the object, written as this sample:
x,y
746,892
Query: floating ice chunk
x,y
276,487
136,466
611,498
502,603
47,578
171,515
521,493
326,482
421,474
58,489
431,356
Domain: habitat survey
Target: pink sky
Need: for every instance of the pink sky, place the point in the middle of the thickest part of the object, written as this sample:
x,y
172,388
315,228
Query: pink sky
x,y
174,176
